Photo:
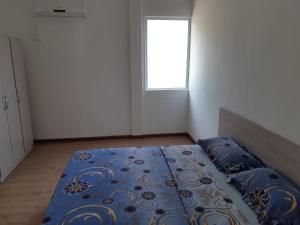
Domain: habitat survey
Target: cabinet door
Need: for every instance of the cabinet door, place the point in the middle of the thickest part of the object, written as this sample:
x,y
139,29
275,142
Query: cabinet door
x,y
21,86
9,90
6,157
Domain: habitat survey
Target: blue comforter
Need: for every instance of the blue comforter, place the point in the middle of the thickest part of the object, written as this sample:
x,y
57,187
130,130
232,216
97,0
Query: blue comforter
x,y
149,185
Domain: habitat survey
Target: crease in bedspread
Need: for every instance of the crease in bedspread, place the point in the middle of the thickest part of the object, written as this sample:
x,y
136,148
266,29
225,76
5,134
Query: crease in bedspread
x,y
174,181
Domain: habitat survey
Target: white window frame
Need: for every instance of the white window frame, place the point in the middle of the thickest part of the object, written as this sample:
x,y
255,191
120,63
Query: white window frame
x,y
146,18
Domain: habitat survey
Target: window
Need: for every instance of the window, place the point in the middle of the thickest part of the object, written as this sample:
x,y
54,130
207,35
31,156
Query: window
x,y
167,53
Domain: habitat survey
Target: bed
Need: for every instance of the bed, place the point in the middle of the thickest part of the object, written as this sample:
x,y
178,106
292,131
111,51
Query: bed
x,y
157,185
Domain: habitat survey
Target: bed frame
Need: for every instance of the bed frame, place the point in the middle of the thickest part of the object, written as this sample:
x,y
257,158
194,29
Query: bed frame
x,y
274,150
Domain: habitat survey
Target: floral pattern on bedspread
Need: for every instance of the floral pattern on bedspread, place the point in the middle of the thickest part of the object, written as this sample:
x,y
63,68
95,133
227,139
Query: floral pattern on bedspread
x,y
140,186
204,201
116,186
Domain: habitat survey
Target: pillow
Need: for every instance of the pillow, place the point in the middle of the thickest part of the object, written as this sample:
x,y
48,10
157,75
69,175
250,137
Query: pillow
x,y
210,143
228,156
274,199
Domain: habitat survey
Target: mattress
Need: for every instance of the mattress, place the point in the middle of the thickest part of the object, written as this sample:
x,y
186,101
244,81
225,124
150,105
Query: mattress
x,y
163,185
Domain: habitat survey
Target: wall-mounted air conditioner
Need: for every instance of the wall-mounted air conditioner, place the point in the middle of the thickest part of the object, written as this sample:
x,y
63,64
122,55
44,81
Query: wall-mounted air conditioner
x,y
67,8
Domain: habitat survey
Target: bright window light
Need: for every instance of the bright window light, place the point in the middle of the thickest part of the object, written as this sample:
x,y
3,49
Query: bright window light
x,y
167,54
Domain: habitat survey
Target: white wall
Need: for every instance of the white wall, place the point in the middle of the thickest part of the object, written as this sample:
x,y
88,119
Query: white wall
x,y
136,65
85,75
168,8
246,57
78,72
165,111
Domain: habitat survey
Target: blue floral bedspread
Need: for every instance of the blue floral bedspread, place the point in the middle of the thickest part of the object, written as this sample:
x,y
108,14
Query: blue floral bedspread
x,y
139,186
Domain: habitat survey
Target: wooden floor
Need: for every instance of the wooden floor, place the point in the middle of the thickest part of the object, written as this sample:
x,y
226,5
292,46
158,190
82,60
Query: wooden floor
x,y
25,194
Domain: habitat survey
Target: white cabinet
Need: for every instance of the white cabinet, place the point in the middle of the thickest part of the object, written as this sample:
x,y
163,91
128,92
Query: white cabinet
x,y
6,157
9,89
15,130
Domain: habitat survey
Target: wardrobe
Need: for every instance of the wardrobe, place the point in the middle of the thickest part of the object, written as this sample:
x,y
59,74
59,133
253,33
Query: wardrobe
x,y
16,139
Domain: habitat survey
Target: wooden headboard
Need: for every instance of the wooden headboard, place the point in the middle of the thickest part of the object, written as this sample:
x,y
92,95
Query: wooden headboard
x,y
274,150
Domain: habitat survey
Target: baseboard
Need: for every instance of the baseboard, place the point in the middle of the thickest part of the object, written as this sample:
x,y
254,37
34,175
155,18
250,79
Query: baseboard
x,y
192,139
111,137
